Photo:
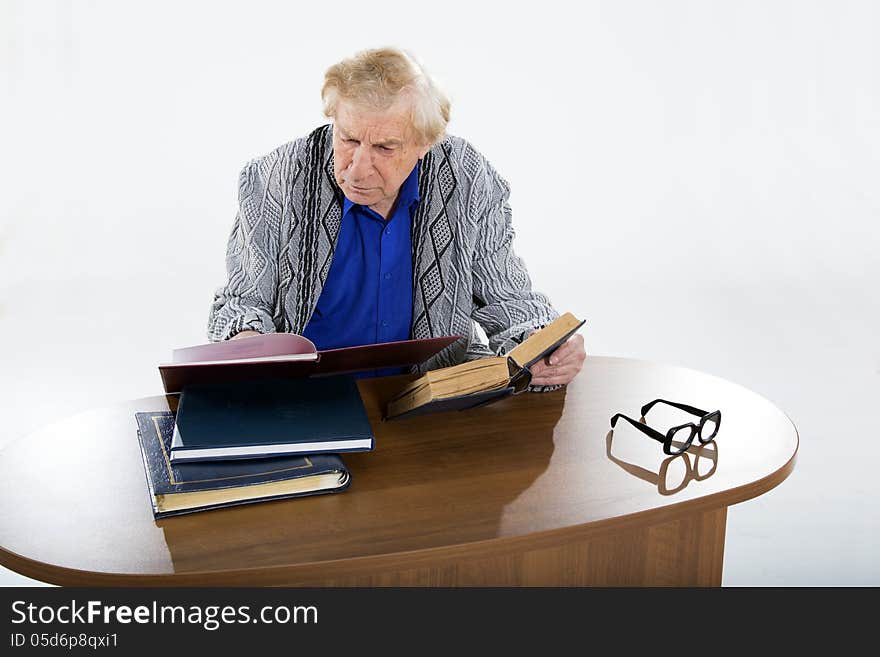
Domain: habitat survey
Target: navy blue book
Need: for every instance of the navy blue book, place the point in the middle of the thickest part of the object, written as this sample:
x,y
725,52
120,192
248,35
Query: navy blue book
x,y
189,487
270,417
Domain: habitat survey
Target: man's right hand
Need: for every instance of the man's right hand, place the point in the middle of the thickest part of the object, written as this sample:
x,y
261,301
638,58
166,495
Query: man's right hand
x,y
245,334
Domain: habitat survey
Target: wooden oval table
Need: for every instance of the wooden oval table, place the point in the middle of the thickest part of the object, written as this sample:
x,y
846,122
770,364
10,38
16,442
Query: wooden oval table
x,y
533,490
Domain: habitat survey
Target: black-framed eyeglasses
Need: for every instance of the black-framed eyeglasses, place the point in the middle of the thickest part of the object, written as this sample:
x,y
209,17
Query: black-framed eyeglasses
x,y
680,437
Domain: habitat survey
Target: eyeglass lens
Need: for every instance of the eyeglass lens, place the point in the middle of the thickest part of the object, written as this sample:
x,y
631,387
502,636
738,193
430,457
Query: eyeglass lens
x,y
681,439
709,427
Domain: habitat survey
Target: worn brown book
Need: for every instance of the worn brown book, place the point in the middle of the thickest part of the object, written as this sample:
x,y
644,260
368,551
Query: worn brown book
x,y
484,380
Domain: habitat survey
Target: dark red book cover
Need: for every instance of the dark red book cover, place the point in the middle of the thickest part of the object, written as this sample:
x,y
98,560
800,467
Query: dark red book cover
x,y
218,363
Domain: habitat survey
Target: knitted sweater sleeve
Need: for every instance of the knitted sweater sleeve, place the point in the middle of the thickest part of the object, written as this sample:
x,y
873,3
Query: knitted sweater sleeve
x,y
506,305
247,300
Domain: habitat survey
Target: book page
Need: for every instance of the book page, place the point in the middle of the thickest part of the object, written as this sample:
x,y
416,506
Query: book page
x,y
448,378
546,340
271,346
480,375
475,376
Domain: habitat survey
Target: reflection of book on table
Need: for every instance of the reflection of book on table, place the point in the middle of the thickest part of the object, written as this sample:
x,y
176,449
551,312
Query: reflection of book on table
x,y
286,355
484,380
184,488
271,417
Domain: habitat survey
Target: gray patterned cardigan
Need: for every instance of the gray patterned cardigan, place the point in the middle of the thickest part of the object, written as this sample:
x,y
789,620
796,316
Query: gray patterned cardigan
x,y
466,278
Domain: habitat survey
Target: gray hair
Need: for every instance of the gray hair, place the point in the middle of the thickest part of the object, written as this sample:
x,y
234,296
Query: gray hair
x,y
377,78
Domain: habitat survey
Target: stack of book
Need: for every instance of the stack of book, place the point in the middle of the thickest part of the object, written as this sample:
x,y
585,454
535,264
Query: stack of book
x,y
261,418
177,488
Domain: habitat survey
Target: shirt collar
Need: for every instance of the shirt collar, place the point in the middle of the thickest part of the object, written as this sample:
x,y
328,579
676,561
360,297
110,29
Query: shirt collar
x,y
407,196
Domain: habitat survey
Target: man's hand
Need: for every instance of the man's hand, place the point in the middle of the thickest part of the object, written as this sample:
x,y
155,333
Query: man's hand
x,y
247,334
561,366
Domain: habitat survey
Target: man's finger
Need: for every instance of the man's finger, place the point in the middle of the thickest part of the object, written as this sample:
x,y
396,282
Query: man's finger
x,y
551,375
565,357
571,347
541,369
563,352
559,354
551,381
538,368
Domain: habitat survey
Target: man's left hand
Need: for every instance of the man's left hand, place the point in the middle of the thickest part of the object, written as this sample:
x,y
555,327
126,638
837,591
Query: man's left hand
x,y
560,367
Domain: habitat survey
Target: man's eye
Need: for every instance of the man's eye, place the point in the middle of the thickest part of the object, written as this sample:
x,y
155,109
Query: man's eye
x,y
351,141
385,149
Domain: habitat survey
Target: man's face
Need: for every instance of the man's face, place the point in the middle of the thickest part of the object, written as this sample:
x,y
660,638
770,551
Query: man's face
x,y
374,151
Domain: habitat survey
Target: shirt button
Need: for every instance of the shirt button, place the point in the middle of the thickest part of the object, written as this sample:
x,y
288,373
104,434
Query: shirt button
x,y
387,276
384,322
388,231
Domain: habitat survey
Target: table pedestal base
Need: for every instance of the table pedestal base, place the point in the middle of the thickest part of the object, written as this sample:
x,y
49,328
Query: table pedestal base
x,y
688,551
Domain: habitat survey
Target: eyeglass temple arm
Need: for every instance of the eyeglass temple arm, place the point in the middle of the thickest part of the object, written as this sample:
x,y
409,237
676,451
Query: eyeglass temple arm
x,y
645,429
689,409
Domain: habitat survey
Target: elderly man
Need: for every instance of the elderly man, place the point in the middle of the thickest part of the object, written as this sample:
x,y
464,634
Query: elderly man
x,y
380,227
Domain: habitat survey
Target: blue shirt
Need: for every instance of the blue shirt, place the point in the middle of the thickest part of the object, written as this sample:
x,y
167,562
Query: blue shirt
x,y
367,298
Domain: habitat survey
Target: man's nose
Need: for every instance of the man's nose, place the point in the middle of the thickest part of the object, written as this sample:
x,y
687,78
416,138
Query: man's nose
x,y
361,162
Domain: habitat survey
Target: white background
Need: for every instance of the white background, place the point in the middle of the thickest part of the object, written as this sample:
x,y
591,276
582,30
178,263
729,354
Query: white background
x,y
697,179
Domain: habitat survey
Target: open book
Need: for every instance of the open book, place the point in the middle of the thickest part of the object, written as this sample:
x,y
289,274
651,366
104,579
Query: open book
x,y
287,355
481,381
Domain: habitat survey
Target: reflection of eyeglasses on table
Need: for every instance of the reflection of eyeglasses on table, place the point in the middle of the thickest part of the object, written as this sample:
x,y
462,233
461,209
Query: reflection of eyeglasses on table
x,y
670,479
680,437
